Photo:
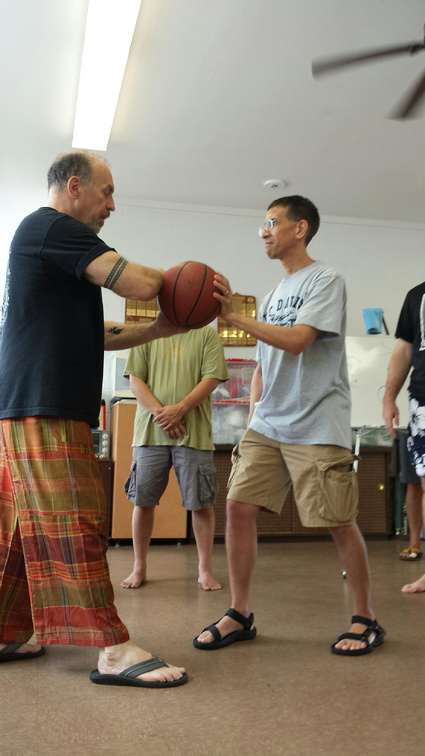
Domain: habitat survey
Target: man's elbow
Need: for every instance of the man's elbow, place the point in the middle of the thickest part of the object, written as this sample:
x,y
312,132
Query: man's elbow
x,y
299,347
149,285
301,339
295,350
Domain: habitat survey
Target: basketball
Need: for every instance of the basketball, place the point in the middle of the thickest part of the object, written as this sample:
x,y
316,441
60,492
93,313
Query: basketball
x,y
186,297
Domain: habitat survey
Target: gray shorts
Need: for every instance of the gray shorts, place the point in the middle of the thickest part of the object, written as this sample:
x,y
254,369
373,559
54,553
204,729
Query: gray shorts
x,y
150,471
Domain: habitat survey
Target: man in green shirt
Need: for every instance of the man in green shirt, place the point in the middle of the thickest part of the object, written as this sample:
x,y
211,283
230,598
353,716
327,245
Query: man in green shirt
x,y
172,380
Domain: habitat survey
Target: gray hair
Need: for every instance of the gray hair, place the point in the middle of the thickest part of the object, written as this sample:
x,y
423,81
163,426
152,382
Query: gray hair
x,y
69,164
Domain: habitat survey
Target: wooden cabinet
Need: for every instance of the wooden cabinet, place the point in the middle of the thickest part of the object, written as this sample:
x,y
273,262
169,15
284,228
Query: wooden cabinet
x,y
170,516
374,500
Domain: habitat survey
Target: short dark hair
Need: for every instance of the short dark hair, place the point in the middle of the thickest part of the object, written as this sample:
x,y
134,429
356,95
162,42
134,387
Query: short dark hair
x,y
300,208
69,164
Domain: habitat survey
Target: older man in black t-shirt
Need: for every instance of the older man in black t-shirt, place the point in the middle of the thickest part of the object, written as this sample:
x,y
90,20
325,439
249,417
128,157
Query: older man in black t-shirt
x,y
54,577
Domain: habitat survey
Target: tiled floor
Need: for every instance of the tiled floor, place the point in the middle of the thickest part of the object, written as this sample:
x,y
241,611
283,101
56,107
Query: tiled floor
x,y
283,694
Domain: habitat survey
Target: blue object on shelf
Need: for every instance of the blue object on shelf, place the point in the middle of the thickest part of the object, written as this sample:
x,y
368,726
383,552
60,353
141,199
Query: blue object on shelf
x,y
373,318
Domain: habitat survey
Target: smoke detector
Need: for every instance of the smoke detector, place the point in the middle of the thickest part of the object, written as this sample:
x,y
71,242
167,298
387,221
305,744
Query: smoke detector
x,y
274,184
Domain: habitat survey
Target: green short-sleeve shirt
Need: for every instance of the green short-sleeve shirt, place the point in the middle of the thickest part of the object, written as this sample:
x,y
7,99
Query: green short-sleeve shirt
x,y
171,368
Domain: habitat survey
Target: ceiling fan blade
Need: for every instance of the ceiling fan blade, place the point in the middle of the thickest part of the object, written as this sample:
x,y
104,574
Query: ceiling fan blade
x,y
328,65
409,104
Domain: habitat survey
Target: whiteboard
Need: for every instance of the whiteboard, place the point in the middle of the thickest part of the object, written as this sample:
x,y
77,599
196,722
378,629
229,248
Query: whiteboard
x,y
368,358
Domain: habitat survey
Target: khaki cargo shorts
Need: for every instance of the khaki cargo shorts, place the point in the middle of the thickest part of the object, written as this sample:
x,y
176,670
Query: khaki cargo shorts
x,y
322,476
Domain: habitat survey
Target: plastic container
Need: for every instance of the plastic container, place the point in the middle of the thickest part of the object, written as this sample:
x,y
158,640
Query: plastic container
x,y
372,436
239,384
229,421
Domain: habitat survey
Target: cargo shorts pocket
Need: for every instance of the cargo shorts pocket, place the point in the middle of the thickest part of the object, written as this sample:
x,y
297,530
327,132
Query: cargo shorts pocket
x,y
207,485
130,483
338,491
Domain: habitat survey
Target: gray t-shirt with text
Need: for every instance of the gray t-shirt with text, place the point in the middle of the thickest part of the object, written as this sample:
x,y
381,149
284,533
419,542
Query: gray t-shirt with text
x,y
306,398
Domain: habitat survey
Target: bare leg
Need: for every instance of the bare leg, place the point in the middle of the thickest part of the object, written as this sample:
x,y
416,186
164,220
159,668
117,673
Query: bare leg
x,y
203,523
114,659
419,585
241,544
353,555
143,522
414,514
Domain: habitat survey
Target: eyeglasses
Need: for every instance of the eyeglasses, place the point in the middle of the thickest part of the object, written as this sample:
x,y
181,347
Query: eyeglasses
x,y
267,226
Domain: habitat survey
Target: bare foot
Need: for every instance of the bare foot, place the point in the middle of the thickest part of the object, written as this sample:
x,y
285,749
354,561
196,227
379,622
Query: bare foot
x,y
208,582
26,648
417,587
114,659
349,644
135,580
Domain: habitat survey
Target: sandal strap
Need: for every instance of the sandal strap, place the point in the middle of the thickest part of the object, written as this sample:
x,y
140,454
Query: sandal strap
x,y
11,648
373,626
357,619
246,622
354,636
215,632
142,667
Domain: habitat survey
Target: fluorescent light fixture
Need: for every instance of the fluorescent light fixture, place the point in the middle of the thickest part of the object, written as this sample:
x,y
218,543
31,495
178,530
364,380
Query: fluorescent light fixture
x,y
109,31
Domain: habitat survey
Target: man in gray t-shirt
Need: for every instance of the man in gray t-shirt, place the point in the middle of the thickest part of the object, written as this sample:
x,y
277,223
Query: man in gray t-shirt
x,y
306,397
299,431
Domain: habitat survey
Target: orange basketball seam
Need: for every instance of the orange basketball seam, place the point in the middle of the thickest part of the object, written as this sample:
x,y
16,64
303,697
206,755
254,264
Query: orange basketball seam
x,y
199,295
174,292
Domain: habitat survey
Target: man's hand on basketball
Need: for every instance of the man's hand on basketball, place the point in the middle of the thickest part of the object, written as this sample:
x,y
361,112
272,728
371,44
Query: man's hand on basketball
x,y
224,294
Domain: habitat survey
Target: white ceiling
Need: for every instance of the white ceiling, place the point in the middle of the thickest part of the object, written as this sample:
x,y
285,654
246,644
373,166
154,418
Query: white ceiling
x,y
218,98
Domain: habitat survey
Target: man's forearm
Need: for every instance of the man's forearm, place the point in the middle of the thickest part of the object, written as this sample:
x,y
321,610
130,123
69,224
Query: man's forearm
x,y
293,340
144,395
173,413
199,393
127,335
398,370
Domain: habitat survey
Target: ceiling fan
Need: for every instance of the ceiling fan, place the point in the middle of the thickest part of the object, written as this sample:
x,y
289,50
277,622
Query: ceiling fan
x,y
411,101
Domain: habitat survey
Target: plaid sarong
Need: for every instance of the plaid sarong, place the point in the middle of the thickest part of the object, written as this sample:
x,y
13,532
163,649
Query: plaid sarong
x,y
54,577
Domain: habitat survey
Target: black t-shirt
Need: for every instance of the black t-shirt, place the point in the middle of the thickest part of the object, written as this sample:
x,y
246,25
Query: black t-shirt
x,y
411,328
52,334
